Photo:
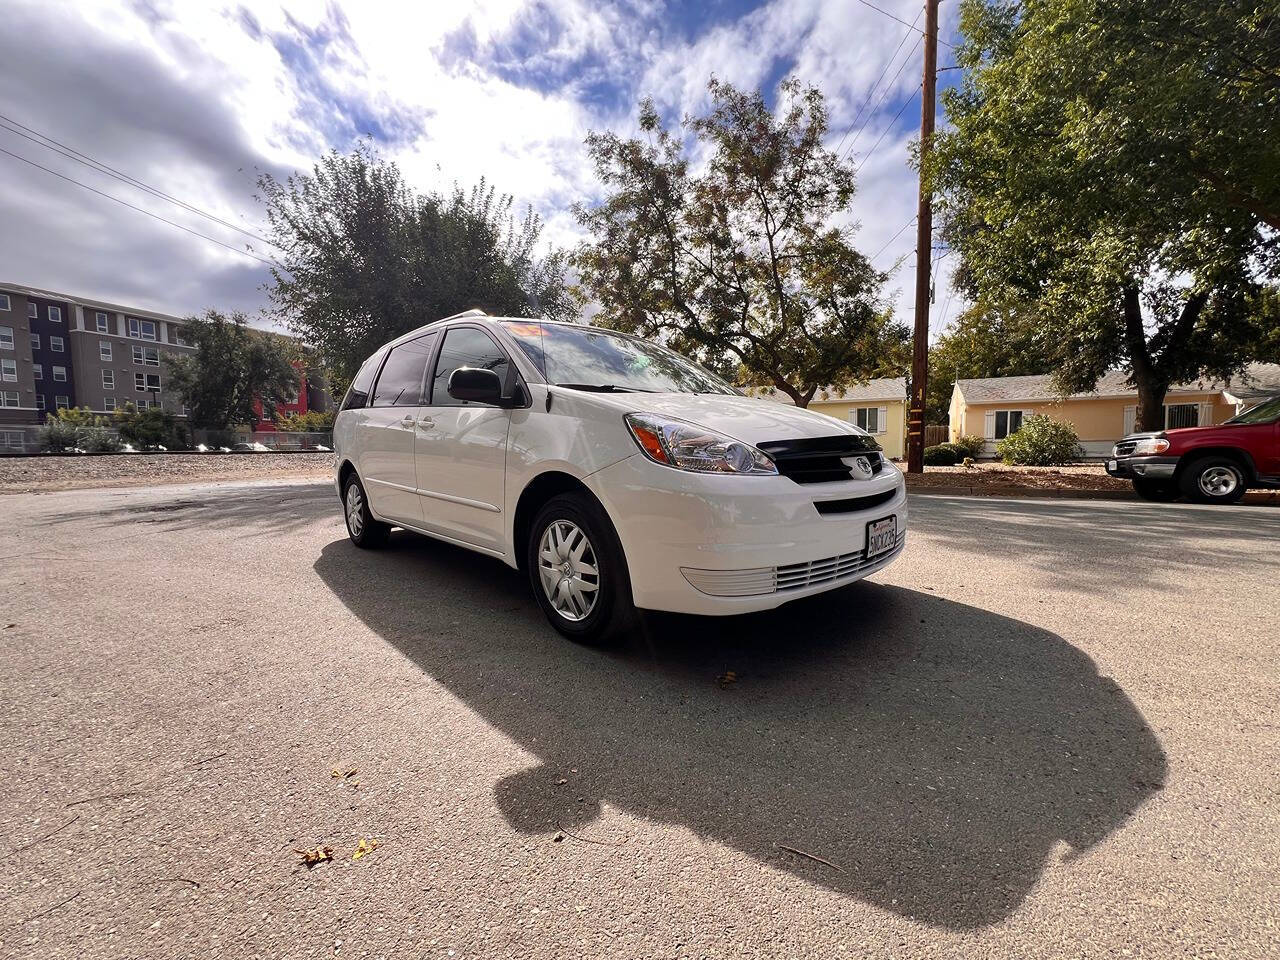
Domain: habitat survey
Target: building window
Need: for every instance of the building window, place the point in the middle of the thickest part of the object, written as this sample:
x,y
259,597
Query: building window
x,y
40,401
55,344
9,371
177,338
6,338
108,379
32,311
55,314
1181,415
869,419
4,301
35,341
142,329
37,371
59,374
109,404
61,402
1007,422
186,409
150,356
100,321
104,349
8,398
143,382
11,439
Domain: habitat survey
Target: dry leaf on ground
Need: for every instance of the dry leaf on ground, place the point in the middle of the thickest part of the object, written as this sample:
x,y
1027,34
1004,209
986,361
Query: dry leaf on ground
x,y
365,846
311,857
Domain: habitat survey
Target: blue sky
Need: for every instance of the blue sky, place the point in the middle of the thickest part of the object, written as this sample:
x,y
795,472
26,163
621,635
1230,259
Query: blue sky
x,y
195,99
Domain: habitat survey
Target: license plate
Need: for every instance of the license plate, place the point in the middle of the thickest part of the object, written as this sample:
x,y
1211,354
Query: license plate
x,y
1111,464
882,536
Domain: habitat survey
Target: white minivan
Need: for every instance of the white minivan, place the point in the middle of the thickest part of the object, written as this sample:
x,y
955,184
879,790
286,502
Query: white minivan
x,y
613,471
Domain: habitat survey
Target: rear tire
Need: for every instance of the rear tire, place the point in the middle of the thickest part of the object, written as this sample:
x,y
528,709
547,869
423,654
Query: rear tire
x,y
363,528
1157,491
1214,480
577,570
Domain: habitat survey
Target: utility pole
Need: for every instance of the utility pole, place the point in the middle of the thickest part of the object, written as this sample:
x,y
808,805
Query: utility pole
x,y
924,249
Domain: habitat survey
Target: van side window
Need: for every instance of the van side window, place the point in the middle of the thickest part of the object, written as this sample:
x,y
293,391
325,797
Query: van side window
x,y
400,383
465,347
358,393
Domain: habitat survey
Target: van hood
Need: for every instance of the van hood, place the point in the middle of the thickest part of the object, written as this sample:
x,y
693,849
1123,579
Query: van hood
x,y
749,419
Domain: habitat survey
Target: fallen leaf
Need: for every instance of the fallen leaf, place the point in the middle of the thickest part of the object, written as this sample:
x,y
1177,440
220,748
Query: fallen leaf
x,y
311,857
558,838
339,774
364,847
726,678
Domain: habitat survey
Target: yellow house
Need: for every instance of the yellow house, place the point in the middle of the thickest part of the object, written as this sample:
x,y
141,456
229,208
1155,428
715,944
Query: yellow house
x,y
877,406
994,407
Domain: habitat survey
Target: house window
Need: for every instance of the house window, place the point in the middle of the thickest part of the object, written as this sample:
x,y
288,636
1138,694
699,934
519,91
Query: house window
x,y
55,314
35,341
142,329
100,321
1007,422
9,371
37,371
870,419
32,311
40,401
4,301
55,344
108,379
150,356
11,440
6,338
61,402
9,398
109,404
146,381
1181,415
104,349
59,374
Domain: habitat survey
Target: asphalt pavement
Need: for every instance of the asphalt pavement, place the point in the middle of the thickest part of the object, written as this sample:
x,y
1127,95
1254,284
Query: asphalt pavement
x,y
1049,730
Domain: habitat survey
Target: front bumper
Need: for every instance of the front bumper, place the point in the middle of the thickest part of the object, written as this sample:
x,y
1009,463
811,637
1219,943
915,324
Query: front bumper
x,y
689,539
1143,468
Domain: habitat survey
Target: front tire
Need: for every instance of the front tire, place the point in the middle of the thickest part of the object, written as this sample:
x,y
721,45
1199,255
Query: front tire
x,y
1157,491
577,570
363,528
1214,480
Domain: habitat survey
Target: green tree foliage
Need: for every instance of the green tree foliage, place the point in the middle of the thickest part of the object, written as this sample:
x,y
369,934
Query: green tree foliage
x,y
232,365
1114,166
313,421
150,428
739,266
986,341
364,257
1041,442
76,428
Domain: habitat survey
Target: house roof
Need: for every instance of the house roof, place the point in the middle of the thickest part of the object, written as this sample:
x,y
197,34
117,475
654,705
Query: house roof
x,y
1260,381
873,391
1264,377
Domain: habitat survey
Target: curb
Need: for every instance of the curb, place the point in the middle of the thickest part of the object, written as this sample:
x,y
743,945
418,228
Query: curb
x,y
1255,498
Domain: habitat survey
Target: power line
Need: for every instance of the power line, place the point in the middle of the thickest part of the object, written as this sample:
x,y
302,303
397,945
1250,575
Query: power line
x,y
71,153
885,132
883,96
903,22
889,243
875,86
194,233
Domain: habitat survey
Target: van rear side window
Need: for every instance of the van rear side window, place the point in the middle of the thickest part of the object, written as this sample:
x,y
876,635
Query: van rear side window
x,y
358,394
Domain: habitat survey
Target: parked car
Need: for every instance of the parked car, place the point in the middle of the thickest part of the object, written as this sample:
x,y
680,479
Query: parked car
x,y
1206,464
614,472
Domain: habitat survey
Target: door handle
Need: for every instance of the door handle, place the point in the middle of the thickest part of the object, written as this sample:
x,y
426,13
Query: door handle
x,y
426,423
407,421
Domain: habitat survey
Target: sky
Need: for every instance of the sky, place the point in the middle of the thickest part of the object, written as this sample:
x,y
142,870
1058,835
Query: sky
x,y
196,100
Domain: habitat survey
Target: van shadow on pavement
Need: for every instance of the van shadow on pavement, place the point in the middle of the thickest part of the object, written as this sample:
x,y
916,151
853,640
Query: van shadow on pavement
x,y
935,752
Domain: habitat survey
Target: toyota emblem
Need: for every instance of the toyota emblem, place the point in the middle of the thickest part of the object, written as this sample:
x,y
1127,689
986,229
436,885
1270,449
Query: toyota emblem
x,y
861,468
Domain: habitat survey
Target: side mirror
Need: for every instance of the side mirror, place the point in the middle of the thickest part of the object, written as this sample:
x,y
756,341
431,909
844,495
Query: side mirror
x,y
475,384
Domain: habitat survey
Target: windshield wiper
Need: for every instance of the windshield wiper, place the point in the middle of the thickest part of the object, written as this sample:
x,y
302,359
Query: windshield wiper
x,y
604,388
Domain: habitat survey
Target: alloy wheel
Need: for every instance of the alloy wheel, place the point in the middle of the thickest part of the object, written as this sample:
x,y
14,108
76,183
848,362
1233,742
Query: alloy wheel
x,y
355,510
1218,481
568,569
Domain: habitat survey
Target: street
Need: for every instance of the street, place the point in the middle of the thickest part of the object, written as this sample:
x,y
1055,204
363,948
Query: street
x,y
1049,730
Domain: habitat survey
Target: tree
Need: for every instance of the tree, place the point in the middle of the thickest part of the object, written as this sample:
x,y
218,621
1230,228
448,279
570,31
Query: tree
x,y
365,258
739,266
231,367
1114,167
985,341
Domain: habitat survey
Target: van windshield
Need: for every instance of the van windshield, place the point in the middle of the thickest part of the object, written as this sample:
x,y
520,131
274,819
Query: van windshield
x,y
591,358
1264,412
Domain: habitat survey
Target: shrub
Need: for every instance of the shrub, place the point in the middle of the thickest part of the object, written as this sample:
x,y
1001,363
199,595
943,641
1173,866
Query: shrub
x,y
1042,442
69,428
99,440
970,446
150,428
313,421
941,455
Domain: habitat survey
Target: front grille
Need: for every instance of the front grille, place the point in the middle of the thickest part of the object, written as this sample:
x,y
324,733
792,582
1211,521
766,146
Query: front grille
x,y
1124,448
757,581
821,459
854,504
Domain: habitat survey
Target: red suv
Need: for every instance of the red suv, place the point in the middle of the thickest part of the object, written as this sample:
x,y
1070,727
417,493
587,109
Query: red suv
x,y
1205,464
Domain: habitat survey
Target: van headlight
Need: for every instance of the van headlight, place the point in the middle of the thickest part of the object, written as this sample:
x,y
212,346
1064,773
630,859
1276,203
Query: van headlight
x,y
687,446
